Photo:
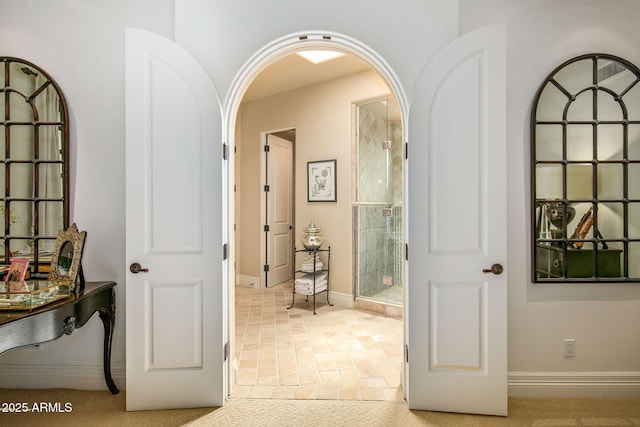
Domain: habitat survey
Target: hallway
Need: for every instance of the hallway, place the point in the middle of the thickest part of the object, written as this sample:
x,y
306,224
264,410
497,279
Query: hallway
x,y
340,353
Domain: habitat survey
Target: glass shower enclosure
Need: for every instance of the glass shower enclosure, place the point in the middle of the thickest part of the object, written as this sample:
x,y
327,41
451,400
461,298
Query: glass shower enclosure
x,y
377,208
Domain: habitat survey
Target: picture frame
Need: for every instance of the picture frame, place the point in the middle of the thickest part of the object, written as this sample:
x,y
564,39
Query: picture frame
x,y
17,270
321,181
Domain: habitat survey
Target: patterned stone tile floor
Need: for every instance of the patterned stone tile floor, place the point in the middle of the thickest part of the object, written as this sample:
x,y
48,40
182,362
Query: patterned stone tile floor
x,y
338,354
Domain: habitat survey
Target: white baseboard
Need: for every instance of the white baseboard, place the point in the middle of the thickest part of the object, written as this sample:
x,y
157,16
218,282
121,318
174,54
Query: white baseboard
x,y
341,300
248,281
611,385
59,376
597,385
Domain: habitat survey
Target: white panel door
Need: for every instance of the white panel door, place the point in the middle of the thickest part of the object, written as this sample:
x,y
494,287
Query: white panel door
x,y
457,216
279,209
174,228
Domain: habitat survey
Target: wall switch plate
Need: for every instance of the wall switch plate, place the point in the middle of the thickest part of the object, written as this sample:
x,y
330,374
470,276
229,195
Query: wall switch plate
x,y
569,348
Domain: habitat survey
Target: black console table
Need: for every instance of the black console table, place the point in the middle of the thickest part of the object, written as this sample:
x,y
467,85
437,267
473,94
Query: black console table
x,y
49,322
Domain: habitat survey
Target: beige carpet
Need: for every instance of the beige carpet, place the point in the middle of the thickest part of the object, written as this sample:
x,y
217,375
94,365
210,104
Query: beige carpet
x,y
100,408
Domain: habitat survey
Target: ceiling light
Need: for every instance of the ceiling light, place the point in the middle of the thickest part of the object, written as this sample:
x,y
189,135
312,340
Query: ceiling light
x,y
319,56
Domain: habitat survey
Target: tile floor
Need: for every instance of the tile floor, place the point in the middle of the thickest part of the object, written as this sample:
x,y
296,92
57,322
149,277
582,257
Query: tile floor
x,y
339,353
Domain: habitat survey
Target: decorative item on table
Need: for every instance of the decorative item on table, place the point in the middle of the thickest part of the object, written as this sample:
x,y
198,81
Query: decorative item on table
x,y
583,228
17,270
65,262
554,213
311,239
551,220
559,193
21,295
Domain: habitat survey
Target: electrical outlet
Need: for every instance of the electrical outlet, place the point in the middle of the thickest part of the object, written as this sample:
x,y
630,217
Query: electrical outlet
x,y
569,348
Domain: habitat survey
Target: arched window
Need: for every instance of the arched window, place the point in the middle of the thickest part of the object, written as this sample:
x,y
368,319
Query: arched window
x,y
585,139
34,189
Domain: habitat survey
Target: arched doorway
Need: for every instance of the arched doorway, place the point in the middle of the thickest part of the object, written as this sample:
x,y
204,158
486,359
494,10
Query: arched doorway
x,y
269,56
474,64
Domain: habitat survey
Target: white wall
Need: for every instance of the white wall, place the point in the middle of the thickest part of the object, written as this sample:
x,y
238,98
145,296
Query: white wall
x,y
406,33
603,319
80,44
322,117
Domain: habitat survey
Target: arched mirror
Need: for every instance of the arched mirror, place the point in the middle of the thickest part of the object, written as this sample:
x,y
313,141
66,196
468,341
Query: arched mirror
x,y
67,255
585,139
34,189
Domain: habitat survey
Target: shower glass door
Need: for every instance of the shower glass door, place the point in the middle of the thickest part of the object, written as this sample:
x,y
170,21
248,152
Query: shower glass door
x,y
378,205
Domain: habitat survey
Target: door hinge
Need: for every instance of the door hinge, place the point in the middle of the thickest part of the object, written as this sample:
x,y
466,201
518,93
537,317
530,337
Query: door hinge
x,y
266,228
266,267
406,353
225,151
406,251
406,150
225,251
266,148
226,351
266,188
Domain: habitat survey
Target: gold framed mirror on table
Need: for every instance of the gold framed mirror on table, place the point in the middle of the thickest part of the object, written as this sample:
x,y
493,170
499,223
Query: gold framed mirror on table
x,y
67,256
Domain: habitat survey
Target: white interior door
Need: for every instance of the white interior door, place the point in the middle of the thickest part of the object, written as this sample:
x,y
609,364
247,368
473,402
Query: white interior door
x,y
279,209
174,315
457,216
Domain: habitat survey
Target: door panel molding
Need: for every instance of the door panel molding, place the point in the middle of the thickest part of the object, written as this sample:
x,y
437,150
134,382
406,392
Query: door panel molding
x,y
458,307
175,341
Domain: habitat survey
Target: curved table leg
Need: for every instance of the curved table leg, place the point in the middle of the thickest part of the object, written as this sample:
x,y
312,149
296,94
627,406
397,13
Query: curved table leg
x,y
108,320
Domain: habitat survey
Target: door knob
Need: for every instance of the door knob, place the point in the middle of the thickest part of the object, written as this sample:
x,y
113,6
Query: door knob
x,y
136,268
495,269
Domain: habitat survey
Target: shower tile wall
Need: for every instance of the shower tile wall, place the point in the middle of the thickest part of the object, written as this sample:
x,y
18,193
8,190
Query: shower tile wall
x,y
372,161
379,256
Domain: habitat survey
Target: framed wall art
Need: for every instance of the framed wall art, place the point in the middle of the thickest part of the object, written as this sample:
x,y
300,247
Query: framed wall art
x,y
321,181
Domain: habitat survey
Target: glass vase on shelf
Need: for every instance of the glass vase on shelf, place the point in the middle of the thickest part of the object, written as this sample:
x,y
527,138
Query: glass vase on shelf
x,y
311,239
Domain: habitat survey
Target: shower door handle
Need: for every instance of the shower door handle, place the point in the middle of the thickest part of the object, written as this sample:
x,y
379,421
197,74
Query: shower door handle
x,y
495,269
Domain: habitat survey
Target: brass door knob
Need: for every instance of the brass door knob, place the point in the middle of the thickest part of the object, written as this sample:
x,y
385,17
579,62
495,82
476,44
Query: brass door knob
x,y
136,268
495,269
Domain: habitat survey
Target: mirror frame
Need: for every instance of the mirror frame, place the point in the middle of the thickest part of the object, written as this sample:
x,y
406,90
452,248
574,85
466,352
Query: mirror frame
x,y
76,238
561,206
39,264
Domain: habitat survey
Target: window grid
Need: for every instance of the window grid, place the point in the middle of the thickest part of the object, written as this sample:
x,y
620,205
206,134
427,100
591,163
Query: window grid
x,y
11,92
567,241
